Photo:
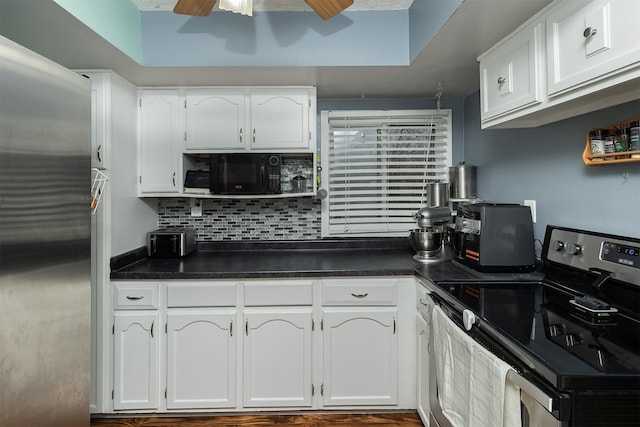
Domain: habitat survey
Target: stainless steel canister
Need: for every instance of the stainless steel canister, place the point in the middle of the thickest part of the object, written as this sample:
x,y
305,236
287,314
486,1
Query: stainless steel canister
x,y
437,194
462,181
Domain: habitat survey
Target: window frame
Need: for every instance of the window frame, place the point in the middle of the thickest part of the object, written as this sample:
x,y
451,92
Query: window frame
x,y
388,119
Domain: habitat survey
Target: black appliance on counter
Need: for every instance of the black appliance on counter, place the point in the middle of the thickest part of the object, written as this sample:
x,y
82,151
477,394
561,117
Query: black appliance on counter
x,y
245,173
494,237
571,333
171,242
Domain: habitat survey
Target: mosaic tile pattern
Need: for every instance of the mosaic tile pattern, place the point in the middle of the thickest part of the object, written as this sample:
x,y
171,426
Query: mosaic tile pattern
x,y
245,219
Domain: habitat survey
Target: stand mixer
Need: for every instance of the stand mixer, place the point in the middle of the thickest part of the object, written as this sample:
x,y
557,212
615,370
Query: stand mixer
x,y
429,239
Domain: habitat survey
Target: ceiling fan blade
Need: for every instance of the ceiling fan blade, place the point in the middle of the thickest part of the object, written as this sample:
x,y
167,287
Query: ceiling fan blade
x,y
327,9
194,7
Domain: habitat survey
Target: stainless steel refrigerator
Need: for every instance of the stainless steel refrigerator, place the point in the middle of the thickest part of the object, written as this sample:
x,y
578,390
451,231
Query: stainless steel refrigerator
x,y
45,241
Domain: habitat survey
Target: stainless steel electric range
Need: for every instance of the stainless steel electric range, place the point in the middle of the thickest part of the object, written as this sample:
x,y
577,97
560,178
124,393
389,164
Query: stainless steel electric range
x,y
571,333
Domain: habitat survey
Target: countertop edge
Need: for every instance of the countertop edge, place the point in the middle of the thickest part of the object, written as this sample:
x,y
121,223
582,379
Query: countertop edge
x,y
259,274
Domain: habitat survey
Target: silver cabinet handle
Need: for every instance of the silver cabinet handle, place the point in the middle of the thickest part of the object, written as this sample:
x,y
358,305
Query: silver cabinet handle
x,y
173,179
589,32
152,323
134,298
359,295
423,302
254,135
98,153
231,328
501,80
241,135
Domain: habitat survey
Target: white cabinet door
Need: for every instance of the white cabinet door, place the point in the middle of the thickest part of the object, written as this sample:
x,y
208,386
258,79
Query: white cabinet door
x,y
280,119
509,75
99,105
590,40
201,358
277,357
422,368
215,120
136,360
360,356
159,141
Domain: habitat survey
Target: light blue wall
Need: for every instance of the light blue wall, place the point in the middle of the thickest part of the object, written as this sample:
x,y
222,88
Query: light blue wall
x,y
276,39
358,38
545,164
425,20
117,21
455,105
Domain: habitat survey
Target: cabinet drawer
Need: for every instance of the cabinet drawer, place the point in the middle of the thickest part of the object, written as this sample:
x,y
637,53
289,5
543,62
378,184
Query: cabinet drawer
x,y
209,294
358,292
135,296
269,293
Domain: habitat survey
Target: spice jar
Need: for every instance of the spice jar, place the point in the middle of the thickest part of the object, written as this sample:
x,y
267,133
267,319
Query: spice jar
x,y
597,139
610,144
622,141
634,137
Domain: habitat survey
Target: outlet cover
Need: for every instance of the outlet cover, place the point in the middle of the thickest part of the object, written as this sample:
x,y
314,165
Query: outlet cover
x,y
196,207
532,206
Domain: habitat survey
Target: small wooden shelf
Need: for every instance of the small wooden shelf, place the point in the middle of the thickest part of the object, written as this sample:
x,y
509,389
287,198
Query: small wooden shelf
x,y
609,158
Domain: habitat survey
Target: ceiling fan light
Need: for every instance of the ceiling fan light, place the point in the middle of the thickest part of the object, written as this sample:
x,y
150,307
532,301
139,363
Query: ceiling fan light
x,y
244,7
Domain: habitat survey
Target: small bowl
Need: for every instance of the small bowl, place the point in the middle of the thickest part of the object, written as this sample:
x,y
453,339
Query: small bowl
x,y
426,242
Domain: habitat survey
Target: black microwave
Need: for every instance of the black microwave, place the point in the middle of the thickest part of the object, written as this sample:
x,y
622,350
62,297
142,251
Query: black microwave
x,y
245,173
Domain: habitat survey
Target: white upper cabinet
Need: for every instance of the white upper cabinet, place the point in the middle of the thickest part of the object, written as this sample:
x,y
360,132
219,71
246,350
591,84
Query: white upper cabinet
x,y
99,82
588,40
260,119
573,57
110,96
159,142
280,119
509,74
214,120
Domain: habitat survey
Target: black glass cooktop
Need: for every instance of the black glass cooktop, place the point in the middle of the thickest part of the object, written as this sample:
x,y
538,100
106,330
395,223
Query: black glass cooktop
x,y
570,348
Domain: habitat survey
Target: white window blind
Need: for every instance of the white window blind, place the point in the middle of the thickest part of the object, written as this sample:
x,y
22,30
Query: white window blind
x,y
376,166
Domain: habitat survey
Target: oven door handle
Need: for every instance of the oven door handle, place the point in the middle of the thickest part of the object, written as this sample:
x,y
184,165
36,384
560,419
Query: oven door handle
x,y
532,390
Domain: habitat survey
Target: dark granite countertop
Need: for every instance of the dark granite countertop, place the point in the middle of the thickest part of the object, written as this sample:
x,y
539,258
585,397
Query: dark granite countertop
x,y
265,259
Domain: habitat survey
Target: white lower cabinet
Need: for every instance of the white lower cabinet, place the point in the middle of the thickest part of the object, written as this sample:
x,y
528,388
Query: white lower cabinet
x,y
422,368
360,341
277,344
201,358
136,360
360,357
277,357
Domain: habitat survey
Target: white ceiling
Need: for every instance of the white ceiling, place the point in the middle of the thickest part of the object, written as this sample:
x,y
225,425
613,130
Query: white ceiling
x,y
449,59
282,5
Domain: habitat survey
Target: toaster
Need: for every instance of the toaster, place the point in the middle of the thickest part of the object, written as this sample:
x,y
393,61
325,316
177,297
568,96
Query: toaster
x,y
171,242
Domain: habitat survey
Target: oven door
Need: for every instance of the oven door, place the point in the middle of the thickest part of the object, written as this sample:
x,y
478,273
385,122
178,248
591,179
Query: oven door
x,y
536,405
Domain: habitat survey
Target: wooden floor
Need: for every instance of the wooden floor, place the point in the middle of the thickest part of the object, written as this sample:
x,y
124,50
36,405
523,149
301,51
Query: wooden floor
x,y
408,419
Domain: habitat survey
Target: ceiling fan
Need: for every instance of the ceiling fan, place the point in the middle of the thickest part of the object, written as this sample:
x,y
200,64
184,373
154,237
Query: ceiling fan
x,y
326,9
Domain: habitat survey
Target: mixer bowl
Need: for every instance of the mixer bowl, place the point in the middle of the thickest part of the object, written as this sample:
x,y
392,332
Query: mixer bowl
x,y
426,242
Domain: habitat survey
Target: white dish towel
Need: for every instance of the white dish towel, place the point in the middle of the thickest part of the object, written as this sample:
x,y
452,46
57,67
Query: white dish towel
x,y
472,387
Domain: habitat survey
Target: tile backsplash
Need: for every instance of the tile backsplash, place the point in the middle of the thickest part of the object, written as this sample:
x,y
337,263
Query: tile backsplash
x,y
245,219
